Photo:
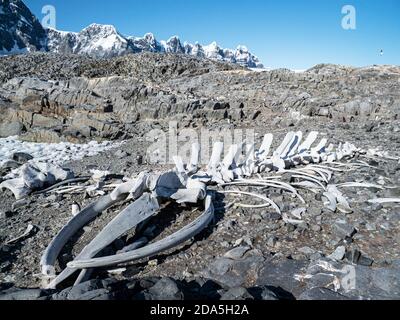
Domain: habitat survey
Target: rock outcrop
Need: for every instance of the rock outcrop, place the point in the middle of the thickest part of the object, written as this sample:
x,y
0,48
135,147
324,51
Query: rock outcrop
x,y
69,97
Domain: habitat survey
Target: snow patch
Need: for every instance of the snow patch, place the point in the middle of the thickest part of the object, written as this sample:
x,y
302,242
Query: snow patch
x,y
56,153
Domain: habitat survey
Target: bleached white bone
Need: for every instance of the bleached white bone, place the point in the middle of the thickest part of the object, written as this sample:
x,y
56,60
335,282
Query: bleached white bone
x,y
17,187
270,184
305,177
180,167
231,156
265,146
385,200
286,141
306,145
134,187
360,185
320,147
303,173
325,174
288,220
268,201
308,185
27,232
194,158
331,203
292,147
298,212
215,159
343,205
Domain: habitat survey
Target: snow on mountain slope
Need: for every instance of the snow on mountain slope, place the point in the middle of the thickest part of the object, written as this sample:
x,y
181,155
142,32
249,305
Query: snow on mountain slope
x,y
105,41
102,41
147,43
20,31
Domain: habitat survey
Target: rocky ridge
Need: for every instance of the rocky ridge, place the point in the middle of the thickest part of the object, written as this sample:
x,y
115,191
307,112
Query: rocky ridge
x,y
74,98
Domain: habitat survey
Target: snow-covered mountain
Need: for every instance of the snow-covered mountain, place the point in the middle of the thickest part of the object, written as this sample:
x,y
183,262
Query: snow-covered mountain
x,y
101,41
105,41
21,32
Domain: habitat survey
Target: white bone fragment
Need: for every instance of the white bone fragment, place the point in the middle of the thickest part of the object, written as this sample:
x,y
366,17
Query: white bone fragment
x,y
98,175
287,220
265,147
294,144
330,148
190,195
278,163
268,204
262,183
331,203
298,212
320,147
33,176
332,156
250,159
360,185
330,168
194,158
385,200
343,205
313,187
180,167
133,187
286,141
53,172
303,173
305,177
326,174
215,159
17,187
231,156
27,233
227,175
306,145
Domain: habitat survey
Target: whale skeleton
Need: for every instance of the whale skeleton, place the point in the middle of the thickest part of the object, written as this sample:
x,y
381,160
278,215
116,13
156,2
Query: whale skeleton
x,y
306,167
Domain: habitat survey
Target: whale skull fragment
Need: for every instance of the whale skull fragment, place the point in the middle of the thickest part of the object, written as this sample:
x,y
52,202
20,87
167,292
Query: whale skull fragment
x,y
34,176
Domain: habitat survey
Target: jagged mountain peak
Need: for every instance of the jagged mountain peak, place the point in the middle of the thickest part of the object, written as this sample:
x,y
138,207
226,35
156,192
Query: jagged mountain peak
x,y
100,28
20,32
150,37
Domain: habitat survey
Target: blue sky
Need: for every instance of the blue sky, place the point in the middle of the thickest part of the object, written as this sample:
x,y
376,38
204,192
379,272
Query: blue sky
x,y
295,34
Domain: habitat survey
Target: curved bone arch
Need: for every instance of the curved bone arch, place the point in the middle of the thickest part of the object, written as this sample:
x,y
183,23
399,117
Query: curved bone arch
x,y
311,168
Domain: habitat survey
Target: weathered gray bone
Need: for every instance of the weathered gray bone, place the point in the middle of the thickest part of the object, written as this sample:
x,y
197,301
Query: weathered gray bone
x,y
33,176
169,242
52,252
137,212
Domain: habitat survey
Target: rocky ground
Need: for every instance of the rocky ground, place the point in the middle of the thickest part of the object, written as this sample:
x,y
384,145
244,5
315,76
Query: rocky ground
x,y
245,253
